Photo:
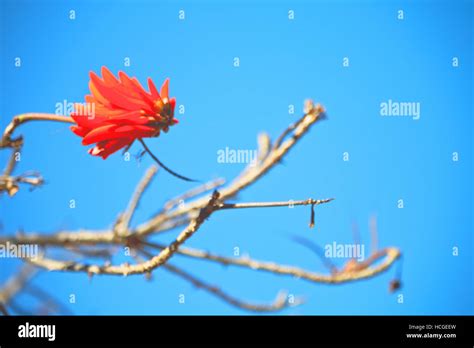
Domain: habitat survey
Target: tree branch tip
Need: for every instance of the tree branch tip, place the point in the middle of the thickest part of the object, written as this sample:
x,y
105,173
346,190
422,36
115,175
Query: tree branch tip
x,y
321,201
152,169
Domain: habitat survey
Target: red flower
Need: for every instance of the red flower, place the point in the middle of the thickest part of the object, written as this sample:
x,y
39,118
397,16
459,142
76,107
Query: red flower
x,y
122,111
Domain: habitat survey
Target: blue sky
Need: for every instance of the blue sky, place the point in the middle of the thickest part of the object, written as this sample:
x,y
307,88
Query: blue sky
x,y
282,62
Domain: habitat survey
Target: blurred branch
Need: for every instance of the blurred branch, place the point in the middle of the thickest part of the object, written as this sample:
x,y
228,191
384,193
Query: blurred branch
x,y
211,185
46,298
273,204
10,183
280,302
366,269
249,176
18,120
14,285
141,268
123,222
166,253
182,214
175,213
318,251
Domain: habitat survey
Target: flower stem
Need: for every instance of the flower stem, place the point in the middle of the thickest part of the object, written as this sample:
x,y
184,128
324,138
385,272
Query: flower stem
x,y
162,165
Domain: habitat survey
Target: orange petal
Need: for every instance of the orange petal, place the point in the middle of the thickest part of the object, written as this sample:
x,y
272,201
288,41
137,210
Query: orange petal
x,y
108,77
135,129
153,90
106,148
133,118
164,89
112,95
99,97
80,131
172,103
100,134
133,85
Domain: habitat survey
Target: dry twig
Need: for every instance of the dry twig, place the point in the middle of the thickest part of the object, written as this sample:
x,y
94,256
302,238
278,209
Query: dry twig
x,y
176,212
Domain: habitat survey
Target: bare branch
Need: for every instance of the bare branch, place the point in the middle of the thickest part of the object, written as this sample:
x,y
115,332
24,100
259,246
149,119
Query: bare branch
x,y
65,238
126,269
280,302
86,237
6,140
11,162
9,183
213,205
45,297
16,283
191,214
182,214
211,185
319,251
122,224
249,176
273,204
264,146
366,269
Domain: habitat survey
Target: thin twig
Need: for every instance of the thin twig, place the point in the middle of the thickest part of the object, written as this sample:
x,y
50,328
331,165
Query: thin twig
x,y
10,184
318,251
123,223
211,185
250,176
160,222
193,213
280,302
86,237
7,182
273,204
126,269
11,162
213,205
367,269
6,140
16,283
43,296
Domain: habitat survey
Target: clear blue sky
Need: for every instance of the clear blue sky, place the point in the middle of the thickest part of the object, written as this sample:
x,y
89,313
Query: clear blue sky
x,y
282,62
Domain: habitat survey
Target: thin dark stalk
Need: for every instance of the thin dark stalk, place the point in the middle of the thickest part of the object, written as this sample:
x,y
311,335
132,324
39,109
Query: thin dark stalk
x,y
162,165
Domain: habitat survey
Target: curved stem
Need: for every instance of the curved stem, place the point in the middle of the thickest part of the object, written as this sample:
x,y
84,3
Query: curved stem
x,y
162,165
20,119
